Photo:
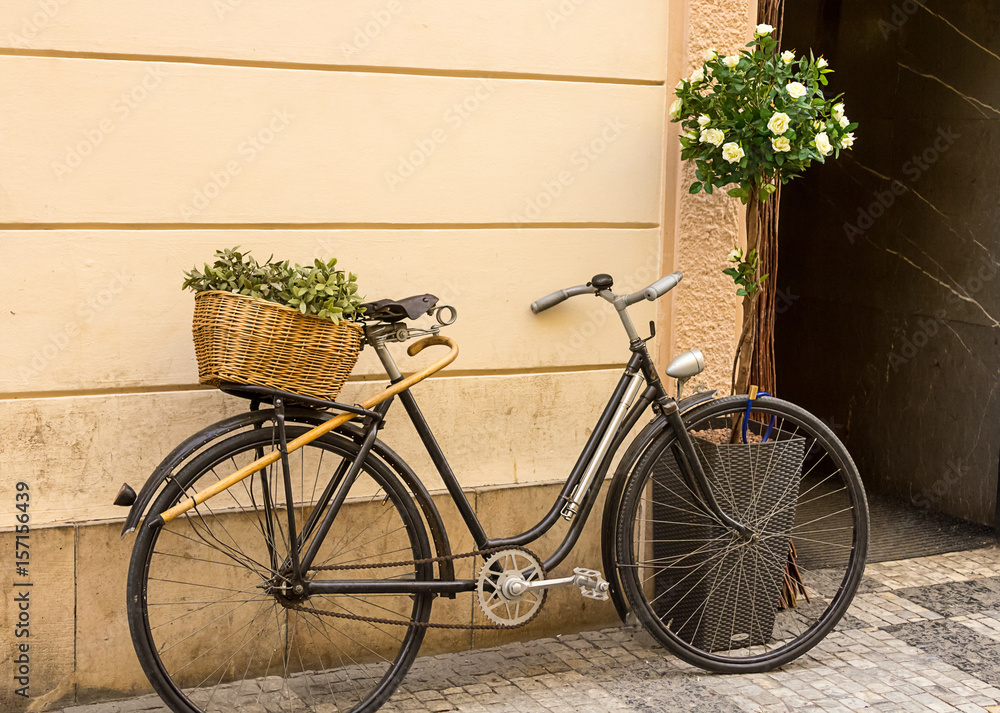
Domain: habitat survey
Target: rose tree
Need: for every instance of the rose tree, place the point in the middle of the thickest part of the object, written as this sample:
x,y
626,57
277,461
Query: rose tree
x,y
753,121
758,118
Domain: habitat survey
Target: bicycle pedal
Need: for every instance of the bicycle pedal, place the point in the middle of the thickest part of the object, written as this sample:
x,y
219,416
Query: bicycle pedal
x,y
591,583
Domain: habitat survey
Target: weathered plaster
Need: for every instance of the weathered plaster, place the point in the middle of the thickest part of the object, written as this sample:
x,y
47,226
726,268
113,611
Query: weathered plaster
x,y
706,312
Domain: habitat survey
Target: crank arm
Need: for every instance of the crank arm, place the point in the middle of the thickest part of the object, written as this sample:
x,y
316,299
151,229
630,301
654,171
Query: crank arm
x,y
590,582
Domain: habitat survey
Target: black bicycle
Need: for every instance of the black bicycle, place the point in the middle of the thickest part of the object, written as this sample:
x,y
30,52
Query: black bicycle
x,y
288,558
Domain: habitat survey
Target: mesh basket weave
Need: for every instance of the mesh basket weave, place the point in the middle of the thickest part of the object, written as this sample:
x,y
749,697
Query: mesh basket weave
x,y
706,608
253,341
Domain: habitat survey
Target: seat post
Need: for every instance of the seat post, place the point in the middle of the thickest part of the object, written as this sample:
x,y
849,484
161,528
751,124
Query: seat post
x,y
375,336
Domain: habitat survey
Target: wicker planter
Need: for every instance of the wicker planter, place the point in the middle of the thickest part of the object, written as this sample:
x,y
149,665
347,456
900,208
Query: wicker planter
x,y
697,605
252,341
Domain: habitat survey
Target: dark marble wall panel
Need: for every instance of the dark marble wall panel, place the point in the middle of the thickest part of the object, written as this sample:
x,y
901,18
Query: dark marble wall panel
x,y
890,324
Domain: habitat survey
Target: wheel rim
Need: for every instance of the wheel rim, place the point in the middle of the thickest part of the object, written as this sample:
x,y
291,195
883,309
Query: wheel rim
x,y
219,618
722,600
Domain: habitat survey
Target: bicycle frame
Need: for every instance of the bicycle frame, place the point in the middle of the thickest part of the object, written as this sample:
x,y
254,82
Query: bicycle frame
x,y
612,426
574,502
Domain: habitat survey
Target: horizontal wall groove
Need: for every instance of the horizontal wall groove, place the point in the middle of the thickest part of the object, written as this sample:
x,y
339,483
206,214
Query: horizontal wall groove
x,y
367,69
326,226
358,378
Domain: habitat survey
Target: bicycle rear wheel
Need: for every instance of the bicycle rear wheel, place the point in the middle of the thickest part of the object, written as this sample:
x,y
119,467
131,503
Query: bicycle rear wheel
x,y
733,603
212,630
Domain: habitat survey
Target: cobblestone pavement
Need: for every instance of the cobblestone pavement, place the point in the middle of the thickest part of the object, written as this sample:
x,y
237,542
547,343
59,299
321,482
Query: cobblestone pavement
x,y
922,635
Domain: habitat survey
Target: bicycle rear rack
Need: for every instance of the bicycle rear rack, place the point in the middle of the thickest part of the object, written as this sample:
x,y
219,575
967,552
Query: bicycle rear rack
x,y
311,435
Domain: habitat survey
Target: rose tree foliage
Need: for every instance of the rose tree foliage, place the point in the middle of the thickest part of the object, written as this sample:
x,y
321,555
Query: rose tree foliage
x,y
758,118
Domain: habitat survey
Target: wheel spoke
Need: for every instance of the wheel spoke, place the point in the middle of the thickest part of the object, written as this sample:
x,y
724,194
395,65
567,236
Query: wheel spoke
x,y
721,599
217,618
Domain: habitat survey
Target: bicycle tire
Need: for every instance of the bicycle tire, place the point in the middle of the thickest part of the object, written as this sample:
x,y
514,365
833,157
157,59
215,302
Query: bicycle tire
x,y
210,631
714,598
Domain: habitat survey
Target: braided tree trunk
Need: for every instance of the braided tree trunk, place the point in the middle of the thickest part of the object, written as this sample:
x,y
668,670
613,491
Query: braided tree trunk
x,y
754,363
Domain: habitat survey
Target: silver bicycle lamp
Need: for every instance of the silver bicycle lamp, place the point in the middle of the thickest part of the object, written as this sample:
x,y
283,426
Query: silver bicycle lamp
x,y
684,366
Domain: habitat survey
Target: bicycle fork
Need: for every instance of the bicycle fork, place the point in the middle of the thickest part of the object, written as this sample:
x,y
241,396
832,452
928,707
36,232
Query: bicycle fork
x,y
691,466
694,471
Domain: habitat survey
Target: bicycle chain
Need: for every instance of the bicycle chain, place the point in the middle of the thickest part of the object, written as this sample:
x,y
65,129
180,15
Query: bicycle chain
x,y
405,563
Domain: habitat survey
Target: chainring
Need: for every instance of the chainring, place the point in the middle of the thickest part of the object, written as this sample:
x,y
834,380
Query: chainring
x,y
503,609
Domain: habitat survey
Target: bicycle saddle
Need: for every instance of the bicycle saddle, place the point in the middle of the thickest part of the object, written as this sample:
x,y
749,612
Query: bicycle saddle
x,y
395,310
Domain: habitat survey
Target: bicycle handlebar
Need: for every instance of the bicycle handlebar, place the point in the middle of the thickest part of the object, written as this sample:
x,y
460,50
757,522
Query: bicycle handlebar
x,y
543,303
654,291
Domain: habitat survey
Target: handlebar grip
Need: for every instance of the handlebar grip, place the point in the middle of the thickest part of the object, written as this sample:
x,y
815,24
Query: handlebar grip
x,y
662,286
544,303
656,290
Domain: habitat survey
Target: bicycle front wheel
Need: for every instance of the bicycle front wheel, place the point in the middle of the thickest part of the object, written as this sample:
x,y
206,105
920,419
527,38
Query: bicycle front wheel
x,y
213,627
741,603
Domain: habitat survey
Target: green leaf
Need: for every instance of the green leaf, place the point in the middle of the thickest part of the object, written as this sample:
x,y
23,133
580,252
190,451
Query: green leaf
x,y
310,289
695,187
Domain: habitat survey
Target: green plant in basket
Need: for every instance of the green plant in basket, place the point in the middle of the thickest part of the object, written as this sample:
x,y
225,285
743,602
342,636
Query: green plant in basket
x,y
318,289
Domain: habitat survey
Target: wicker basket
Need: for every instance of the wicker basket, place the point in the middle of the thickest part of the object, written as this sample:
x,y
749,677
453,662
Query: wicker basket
x,y
253,341
698,606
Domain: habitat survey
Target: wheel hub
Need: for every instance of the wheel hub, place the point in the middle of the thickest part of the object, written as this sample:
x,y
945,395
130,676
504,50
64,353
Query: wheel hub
x,y
287,593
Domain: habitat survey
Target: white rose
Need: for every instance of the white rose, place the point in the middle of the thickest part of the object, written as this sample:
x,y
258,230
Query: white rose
x,y
680,85
787,56
697,76
795,90
732,152
838,112
764,29
780,143
822,63
818,125
847,140
823,144
712,136
778,123
704,121
844,122
731,61
710,54
675,109
690,135
735,255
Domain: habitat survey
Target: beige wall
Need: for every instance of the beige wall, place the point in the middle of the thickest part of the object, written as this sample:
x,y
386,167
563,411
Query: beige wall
x,y
487,152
